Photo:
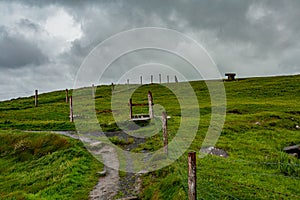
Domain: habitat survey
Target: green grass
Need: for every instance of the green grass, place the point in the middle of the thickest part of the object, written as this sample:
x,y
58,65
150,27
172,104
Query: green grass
x,y
262,114
45,166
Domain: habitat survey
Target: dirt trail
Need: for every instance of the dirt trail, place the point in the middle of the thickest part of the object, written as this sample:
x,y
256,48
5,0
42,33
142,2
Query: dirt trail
x,y
110,184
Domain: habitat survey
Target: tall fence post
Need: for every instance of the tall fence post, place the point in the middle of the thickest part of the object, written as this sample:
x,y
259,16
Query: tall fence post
x,y
151,79
71,109
165,131
130,108
93,90
168,79
141,80
150,101
192,176
36,98
67,95
176,80
159,78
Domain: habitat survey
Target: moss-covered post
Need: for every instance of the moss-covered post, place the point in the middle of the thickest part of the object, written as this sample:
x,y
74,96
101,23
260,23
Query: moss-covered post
x,y
36,98
71,109
192,177
150,102
165,131
67,95
130,108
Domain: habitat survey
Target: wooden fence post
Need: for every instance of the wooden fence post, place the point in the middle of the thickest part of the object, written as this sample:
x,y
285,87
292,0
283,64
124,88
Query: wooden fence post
x,y
150,102
176,80
192,176
165,131
67,95
159,78
127,83
93,90
36,98
151,79
141,80
130,108
71,109
168,79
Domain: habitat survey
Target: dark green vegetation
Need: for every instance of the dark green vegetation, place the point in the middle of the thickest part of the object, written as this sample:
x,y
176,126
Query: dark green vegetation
x,y
45,166
262,118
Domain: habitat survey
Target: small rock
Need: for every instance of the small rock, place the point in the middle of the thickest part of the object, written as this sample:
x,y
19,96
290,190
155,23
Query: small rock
x,y
257,123
297,126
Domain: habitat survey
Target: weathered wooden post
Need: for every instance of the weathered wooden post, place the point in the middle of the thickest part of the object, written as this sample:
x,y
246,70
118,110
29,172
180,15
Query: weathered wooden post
x,y
127,83
165,131
150,102
67,95
168,79
112,86
159,78
151,79
93,90
141,80
130,108
176,80
192,176
36,98
71,109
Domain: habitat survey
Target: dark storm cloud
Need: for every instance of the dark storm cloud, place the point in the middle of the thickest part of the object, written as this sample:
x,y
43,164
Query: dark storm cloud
x,y
18,52
249,37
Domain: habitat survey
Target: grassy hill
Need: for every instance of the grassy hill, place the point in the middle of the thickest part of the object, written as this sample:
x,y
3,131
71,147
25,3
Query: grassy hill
x,y
262,118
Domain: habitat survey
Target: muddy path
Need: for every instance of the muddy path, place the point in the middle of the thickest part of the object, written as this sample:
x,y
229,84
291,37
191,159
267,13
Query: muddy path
x,y
110,184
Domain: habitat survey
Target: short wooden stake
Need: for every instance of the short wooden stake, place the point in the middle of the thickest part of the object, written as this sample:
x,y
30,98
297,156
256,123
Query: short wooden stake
x,y
93,90
165,131
36,98
67,95
141,80
192,176
71,109
130,108
112,86
159,78
151,79
150,102
168,79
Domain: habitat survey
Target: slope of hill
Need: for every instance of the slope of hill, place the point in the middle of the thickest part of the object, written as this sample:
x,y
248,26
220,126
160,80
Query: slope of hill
x,y
263,116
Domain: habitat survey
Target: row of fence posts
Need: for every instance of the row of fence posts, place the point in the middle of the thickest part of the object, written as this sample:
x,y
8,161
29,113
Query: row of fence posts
x,y
192,178
159,79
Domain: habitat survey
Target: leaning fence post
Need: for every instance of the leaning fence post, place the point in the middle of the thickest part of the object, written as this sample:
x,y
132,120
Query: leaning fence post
x,y
176,80
192,176
36,98
130,108
150,102
67,95
165,131
71,109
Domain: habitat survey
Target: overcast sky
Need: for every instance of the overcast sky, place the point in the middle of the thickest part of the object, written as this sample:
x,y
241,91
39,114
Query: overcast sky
x,y
43,43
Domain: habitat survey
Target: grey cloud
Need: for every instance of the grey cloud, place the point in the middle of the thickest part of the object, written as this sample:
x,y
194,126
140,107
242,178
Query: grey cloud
x,y
18,52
